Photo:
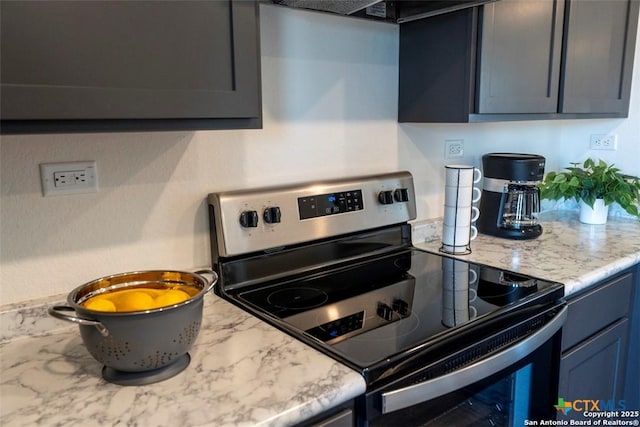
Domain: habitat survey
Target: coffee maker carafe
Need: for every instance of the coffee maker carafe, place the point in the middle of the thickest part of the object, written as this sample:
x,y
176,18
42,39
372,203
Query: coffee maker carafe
x,y
510,200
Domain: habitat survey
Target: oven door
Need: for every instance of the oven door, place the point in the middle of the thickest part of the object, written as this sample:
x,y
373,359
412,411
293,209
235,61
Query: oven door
x,y
517,383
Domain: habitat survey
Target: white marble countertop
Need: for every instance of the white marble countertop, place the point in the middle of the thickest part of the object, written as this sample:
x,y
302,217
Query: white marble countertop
x,y
243,372
568,251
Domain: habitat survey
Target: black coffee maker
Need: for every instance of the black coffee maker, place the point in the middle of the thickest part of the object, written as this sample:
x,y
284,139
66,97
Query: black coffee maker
x,y
510,200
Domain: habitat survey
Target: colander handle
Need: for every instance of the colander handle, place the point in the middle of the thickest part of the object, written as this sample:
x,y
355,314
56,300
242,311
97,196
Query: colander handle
x,y
212,282
59,312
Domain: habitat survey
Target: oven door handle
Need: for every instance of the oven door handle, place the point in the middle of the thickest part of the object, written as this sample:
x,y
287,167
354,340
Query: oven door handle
x,y
407,396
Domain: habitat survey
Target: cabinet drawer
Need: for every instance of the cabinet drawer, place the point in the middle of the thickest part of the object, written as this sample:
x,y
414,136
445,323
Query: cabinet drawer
x,y
596,309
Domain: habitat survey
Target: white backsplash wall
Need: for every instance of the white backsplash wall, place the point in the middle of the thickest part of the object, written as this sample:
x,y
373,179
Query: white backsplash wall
x,y
561,142
330,106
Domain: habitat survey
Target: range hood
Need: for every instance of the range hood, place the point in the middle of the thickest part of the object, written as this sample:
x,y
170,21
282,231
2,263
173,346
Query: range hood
x,y
397,11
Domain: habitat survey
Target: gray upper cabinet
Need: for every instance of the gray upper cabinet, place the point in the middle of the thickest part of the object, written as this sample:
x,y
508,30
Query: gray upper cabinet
x,y
598,56
511,30
519,60
134,65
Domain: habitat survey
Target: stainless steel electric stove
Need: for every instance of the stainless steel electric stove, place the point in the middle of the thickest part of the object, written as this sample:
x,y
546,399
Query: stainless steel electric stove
x,y
332,264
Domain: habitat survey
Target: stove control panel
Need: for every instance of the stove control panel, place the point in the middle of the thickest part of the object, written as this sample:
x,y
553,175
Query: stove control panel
x,y
246,221
330,204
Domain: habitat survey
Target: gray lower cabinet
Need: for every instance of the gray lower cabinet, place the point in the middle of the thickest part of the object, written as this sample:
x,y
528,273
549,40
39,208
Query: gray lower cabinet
x,y
131,65
519,60
595,369
632,384
595,344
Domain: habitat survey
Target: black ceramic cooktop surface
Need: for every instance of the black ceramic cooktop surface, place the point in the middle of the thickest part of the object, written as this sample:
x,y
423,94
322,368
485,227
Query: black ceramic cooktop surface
x,y
368,311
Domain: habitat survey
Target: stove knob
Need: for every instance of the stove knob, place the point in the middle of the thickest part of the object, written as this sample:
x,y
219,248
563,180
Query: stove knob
x,y
401,307
384,311
272,215
401,195
385,197
249,219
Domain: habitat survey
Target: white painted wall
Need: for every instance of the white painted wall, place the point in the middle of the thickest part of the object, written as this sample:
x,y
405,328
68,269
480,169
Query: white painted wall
x,y
330,106
561,142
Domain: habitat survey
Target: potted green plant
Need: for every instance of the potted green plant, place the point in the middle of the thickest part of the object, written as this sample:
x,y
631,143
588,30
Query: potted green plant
x,y
595,185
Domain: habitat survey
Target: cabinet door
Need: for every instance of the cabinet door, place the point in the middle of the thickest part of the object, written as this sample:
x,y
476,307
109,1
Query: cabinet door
x,y
632,382
599,50
595,369
437,63
86,60
520,55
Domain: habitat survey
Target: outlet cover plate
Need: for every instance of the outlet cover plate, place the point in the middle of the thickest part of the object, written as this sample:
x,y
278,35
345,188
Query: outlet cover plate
x,y
453,148
69,178
604,142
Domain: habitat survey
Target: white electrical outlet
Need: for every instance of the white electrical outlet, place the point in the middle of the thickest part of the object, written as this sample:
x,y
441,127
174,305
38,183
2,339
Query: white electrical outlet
x,y
453,148
69,178
604,142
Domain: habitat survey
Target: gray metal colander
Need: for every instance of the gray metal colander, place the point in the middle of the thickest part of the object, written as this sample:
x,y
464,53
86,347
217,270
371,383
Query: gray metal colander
x,y
139,340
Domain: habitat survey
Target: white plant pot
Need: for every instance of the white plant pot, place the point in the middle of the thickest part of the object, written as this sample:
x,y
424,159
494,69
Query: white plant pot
x,y
596,215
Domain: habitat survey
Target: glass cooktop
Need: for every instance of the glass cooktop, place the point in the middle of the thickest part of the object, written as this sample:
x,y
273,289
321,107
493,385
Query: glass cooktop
x,y
368,311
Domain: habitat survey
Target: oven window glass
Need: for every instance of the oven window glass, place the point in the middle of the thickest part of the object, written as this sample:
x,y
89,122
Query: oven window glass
x,y
504,403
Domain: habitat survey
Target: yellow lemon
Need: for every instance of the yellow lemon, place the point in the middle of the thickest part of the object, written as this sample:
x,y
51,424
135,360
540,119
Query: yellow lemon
x,y
153,292
118,293
100,304
134,301
171,297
